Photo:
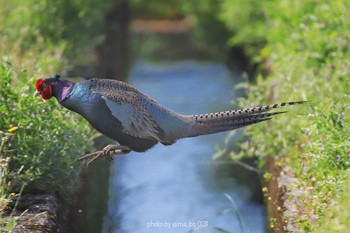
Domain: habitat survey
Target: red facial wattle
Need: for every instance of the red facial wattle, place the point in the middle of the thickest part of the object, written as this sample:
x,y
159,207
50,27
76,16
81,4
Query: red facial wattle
x,y
44,89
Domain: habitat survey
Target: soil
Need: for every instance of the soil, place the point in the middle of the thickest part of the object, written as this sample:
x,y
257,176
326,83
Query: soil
x,y
36,213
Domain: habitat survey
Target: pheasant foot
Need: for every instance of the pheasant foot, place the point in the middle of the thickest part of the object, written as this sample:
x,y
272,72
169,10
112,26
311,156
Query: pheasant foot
x,y
107,153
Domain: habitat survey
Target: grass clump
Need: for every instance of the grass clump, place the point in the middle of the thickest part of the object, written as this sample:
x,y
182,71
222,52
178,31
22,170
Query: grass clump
x,y
39,139
307,44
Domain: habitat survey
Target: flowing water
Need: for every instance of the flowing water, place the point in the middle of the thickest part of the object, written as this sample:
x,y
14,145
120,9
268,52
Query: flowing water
x,y
180,188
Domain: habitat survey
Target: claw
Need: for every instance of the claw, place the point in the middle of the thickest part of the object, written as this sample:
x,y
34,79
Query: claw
x,y
107,152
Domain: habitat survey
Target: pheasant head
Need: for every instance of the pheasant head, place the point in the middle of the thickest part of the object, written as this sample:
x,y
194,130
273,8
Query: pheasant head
x,y
53,86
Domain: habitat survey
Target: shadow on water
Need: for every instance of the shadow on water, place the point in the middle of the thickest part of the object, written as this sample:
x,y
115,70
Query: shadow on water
x,y
180,188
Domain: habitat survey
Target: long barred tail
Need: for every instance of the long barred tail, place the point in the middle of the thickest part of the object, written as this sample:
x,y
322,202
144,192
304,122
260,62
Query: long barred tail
x,y
229,120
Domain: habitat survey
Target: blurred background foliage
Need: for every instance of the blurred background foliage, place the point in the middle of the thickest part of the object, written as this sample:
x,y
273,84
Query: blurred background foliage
x,y
157,9
29,23
302,48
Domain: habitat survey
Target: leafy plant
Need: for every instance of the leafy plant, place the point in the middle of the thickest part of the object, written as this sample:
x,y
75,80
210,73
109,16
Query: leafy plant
x,y
308,46
40,139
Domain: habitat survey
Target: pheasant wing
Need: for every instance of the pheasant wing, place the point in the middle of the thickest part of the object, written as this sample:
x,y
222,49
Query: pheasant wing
x,y
131,111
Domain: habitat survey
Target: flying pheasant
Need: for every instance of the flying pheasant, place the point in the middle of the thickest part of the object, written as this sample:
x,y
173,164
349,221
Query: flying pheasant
x,y
137,122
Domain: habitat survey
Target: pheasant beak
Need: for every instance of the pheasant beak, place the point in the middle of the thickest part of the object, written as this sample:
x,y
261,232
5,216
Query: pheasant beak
x,y
36,93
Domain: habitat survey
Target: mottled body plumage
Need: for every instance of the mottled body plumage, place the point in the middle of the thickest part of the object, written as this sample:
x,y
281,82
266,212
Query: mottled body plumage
x,y
123,113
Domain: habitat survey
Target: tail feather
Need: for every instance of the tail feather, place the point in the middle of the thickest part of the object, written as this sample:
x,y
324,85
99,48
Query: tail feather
x,y
229,120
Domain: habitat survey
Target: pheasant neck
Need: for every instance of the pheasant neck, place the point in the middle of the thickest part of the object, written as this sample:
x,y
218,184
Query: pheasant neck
x,y
62,89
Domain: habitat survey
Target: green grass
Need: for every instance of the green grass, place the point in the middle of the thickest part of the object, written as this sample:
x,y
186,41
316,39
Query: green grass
x,y
341,222
39,139
307,43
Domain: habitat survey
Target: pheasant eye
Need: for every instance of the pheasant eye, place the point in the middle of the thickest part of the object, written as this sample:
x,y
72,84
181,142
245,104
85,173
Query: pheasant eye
x,y
44,85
